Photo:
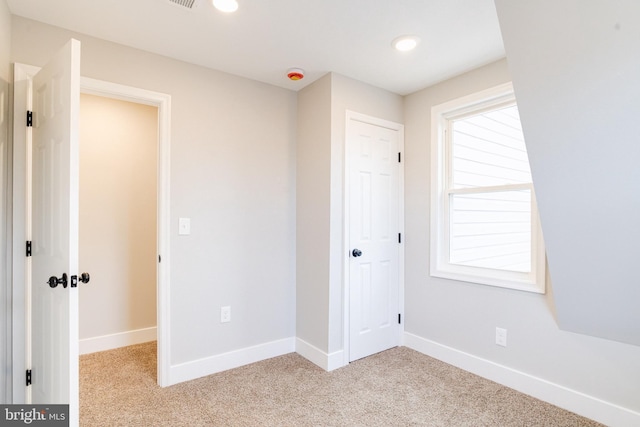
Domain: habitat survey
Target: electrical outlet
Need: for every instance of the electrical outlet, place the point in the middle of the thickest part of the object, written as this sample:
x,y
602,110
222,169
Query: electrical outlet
x,y
225,314
501,337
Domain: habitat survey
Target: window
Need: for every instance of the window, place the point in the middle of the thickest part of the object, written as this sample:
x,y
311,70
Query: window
x,y
484,220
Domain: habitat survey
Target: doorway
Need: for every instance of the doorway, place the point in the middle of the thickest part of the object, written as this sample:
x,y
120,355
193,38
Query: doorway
x,y
117,222
162,102
20,310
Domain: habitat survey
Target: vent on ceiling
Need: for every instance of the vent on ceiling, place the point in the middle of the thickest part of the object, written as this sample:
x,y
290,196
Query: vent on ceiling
x,y
188,4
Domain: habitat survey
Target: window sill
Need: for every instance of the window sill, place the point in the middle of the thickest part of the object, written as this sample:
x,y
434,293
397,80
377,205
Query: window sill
x,y
519,282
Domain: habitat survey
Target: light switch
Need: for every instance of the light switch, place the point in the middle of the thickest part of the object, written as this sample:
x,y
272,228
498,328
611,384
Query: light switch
x,y
184,226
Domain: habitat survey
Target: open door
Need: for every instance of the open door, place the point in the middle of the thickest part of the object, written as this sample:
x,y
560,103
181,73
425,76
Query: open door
x,y
54,273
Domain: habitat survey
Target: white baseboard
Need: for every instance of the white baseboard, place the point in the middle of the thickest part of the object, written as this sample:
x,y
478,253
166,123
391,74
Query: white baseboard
x,y
122,339
326,361
588,406
233,359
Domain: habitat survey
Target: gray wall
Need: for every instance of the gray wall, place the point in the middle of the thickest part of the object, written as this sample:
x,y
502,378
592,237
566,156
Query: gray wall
x,y
313,169
5,205
463,316
575,68
232,173
322,108
348,94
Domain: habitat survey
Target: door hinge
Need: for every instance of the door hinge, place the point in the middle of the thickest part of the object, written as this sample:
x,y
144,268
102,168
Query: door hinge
x,y
399,319
28,376
28,247
29,119
399,157
399,237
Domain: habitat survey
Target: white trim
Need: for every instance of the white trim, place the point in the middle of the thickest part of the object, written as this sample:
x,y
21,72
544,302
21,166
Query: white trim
x,y
463,105
210,365
439,265
313,354
556,394
121,339
21,270
163,102
352,115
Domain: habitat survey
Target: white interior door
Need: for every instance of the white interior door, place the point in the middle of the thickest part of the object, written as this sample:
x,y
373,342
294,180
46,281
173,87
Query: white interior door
x,y
54,310
374,245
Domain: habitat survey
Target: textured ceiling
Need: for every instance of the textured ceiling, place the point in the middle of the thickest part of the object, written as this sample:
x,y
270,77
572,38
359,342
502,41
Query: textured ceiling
x,y
264,38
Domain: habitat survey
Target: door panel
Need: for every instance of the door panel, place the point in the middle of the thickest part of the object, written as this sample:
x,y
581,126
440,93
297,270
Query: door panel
x,y
374,206
54,314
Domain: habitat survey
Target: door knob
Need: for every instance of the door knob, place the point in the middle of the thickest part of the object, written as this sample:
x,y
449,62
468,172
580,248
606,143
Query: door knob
x,y
84,278
54,281
356,253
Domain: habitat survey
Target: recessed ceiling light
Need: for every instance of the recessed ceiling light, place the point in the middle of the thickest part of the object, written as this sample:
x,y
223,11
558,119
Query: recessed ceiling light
x,y
405,43
226,5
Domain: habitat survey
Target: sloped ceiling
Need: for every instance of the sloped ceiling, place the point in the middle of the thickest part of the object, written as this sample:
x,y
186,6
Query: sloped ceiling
x,y
264,38
575,68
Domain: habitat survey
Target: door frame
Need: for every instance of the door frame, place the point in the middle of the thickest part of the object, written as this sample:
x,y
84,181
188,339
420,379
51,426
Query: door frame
x,y
352,115
21,214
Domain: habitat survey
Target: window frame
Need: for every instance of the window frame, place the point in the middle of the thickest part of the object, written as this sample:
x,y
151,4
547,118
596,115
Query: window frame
x,y
442,116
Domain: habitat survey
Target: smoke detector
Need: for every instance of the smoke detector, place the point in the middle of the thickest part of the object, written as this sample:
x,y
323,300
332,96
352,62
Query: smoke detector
x,y
295,74
187,4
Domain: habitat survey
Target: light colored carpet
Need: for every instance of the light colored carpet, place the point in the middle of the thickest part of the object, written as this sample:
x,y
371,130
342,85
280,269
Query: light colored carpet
x,y
398,387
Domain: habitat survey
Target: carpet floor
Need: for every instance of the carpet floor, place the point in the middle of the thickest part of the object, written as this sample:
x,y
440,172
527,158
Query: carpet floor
x,y
398,387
